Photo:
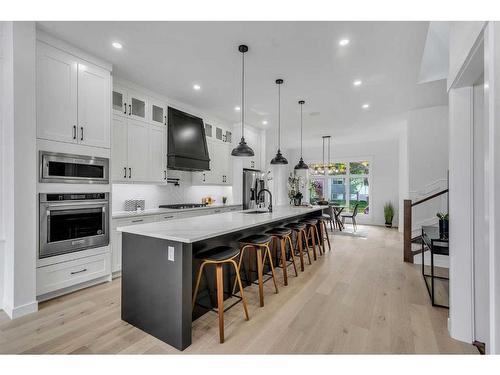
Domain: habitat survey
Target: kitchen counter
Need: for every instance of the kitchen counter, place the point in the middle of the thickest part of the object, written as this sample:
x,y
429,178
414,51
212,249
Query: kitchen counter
x,y
195,229
159,264
159,211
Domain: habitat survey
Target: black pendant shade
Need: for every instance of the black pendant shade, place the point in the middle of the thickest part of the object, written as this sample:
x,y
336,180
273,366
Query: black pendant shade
x,y
301,164
279,159
242,149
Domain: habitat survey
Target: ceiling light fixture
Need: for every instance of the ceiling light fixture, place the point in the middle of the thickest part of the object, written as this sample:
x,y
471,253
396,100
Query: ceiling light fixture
x,y
237,108
197,87
117,45
279,159
264,122
365,106
301,164
242,149
343,42
357,82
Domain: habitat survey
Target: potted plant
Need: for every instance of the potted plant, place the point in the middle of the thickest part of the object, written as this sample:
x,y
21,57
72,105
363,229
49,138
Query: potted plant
x,y
224,200
297,199
388,214
443,224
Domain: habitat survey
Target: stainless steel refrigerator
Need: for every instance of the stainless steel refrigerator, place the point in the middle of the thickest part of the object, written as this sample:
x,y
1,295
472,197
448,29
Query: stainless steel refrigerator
x,y
253,182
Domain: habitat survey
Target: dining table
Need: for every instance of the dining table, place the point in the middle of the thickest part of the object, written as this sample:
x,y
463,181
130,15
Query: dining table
x,y
337,211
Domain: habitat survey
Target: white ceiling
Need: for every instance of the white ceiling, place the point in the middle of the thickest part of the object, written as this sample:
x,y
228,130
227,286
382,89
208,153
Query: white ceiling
x,y
169,57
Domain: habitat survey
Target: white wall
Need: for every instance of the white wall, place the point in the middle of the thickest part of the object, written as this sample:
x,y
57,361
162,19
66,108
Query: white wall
x,y
427,133
2,158
19,168
384,170
462,36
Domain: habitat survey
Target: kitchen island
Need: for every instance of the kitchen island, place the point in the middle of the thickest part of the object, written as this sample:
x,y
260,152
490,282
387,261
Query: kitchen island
x,y
158,265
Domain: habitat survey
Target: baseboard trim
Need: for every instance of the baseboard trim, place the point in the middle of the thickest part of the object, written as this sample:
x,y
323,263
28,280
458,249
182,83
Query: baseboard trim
x,y
73,288
19,311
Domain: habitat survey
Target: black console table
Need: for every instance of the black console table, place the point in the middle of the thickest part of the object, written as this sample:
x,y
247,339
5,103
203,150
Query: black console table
x,y
437,245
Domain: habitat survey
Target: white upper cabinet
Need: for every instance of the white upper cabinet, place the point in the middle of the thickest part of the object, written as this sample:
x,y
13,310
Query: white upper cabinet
x,y
130,103
137,151
93,105
119,158
56,94
73,100
157,154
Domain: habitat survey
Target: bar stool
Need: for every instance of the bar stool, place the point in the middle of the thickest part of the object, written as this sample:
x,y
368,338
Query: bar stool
x,y
300,235
282,235
259,242
312,234
324,232
218,256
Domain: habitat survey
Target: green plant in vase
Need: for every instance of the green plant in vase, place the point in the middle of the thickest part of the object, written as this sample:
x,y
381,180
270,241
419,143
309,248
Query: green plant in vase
x,y
388,214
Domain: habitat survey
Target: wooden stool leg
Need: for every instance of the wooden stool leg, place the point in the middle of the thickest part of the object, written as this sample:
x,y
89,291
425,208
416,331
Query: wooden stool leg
x,y
272,267
258,253
311,235
243,298
301,250
220,300
239,266
289,239
327,236
283,260
197,285
320,240
304,235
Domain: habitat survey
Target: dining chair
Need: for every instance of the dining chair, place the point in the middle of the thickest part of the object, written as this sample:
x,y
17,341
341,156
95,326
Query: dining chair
x,y
352,216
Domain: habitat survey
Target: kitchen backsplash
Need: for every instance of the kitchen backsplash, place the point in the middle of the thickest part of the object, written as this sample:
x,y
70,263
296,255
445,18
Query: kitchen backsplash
x,y
154,195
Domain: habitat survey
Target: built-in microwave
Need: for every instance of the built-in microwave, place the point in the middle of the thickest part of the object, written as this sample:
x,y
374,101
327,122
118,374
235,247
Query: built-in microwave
x,y
71,222
68,168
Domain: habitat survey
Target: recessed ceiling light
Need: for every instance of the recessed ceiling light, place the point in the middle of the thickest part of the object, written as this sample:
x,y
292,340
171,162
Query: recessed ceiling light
x,y
264,122
117,45
237,108
197,87
357,82
365,106
343,42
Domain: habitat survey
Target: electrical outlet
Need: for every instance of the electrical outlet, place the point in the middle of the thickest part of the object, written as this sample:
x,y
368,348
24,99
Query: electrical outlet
x,y
171,253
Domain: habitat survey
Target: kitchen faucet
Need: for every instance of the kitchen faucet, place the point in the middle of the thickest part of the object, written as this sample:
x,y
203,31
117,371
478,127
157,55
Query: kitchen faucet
x,y
270,208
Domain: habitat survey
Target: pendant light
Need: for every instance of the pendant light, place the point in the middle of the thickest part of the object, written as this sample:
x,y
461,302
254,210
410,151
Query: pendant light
x,y
323,166
279,159
301,164
242,149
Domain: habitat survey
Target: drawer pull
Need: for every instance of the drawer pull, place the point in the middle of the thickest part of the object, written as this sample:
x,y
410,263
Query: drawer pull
x,y
137,221
75,272
167,217
216,211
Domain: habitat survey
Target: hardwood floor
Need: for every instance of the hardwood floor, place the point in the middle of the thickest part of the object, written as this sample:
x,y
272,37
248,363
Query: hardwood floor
x,y
360,298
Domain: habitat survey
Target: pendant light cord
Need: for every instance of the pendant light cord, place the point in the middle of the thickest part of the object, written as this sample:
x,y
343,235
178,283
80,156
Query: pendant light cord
x,y
301,130
323,154
243,95
279,115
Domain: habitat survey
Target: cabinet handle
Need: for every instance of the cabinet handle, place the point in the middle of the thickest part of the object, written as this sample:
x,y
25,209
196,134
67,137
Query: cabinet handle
x,y
129,109
124,172
130,173
167,217
74,131
75,272
165,119
216,211
125,108
137,221
81,129
203,177
165,173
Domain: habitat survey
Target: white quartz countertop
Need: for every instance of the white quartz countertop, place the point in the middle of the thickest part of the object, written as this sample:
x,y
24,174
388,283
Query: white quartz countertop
x,y
195,229
159,211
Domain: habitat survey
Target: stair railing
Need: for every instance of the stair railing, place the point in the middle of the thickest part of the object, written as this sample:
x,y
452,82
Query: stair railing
x,y
408,254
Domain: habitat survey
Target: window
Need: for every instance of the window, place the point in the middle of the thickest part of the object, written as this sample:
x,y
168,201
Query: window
x,y
344,184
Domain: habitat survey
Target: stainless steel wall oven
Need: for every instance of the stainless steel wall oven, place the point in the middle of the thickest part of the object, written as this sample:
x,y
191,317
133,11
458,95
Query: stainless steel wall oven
x,y
71,222
68,168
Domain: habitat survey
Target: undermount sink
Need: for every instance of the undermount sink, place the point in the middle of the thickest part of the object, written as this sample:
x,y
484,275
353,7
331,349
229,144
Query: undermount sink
x,y
255,212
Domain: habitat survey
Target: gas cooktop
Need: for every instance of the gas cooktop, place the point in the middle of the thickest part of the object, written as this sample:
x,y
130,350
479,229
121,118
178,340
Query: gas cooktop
x,y
181,206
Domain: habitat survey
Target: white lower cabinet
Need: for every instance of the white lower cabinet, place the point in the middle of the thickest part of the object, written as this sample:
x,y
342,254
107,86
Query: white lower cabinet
x,y
63,275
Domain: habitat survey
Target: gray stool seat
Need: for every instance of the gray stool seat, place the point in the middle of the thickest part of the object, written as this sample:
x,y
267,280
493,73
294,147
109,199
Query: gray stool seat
x,y
296,226
279,231
218,253
256,239
309,221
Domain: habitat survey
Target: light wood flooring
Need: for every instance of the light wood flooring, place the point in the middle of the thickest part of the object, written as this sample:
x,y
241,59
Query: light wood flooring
x,y
360,298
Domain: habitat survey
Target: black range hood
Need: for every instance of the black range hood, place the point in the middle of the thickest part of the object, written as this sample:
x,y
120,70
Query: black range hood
x,y
187,145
